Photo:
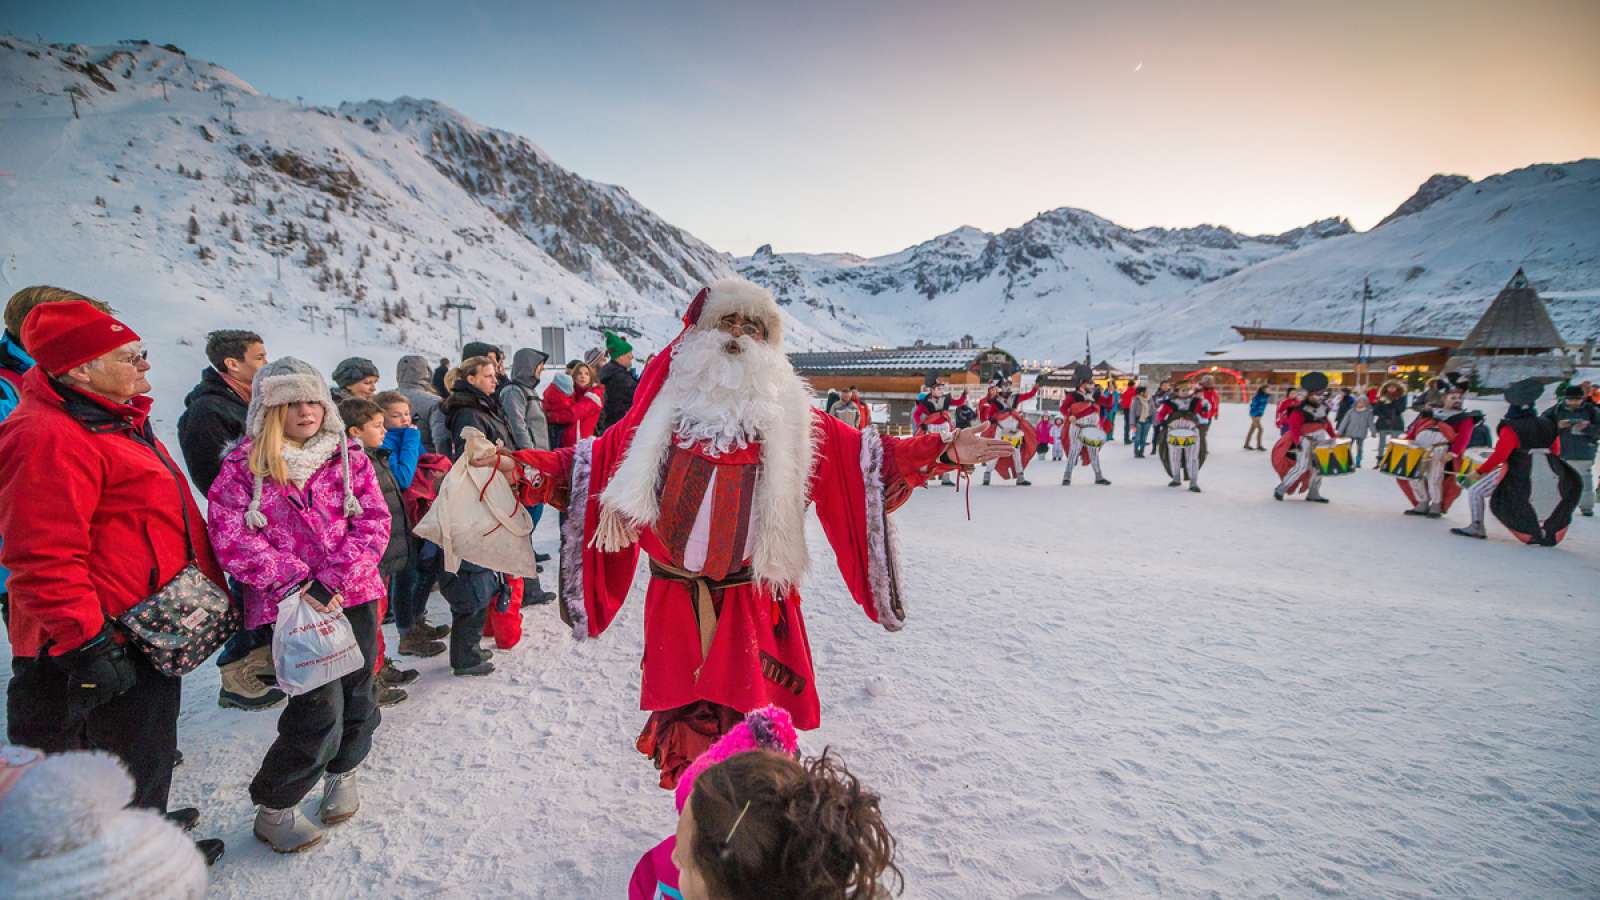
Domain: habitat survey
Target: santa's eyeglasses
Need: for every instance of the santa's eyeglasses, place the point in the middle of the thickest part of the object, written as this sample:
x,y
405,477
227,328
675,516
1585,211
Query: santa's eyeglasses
x,y
736,325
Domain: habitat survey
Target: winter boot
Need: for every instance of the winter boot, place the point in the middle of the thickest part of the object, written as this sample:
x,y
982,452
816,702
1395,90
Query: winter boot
x,y
534,594
1421,509
1174,483
1066,480
1434,512
390,696
392,676
416,643
186,818
1023,482
210,850
339,798
1101,479
431,632
286,830
1471,532
482,668
242,687
1194,488
985,478
1277,494
1314,497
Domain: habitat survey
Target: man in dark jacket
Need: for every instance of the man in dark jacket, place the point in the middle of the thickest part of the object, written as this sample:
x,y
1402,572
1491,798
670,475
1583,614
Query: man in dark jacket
x,y
1577,421
439,373
212,420
213,415
96,517
619,381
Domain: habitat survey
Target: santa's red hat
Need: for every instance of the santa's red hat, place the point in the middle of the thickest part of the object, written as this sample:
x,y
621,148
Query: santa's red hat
x,y
62,336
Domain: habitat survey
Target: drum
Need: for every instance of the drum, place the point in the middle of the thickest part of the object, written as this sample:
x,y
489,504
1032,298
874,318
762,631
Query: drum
x,y
1403,459
1471,462
1335,458
1091,436
1183,433
938,427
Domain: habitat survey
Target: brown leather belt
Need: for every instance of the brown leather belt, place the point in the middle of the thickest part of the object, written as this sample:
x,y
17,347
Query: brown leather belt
x,y
700,588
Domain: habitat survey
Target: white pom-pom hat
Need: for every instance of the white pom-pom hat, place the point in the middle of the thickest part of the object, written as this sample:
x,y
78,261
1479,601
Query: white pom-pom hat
x,y
66,832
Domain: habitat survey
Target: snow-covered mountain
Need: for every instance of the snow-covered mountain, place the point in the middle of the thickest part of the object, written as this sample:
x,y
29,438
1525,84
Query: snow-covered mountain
x,y
174,190
1434,267
1033,289
1435,264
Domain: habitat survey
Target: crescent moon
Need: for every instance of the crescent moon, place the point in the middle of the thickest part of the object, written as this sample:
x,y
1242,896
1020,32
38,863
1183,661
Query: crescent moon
x,y
1138,67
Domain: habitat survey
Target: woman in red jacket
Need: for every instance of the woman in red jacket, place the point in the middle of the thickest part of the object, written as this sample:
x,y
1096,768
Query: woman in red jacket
x,y
574,402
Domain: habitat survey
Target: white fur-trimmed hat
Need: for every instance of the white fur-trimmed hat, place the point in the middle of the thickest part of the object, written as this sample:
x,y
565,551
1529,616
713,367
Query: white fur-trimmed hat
x,y
285,381
727,296
66,832
280,383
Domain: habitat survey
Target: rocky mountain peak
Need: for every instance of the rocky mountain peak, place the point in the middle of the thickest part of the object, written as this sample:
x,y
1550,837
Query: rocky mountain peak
x,y
1432,191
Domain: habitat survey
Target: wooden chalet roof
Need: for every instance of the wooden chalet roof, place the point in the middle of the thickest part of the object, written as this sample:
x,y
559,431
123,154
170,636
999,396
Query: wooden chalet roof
x,y
1257,333
896,361
1515,322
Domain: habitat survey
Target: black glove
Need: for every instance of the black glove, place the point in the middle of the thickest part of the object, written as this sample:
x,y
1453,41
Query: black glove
x,y
96,672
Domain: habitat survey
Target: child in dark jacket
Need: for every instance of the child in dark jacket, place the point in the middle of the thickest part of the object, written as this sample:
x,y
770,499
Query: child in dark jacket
x,y
410,586
364,423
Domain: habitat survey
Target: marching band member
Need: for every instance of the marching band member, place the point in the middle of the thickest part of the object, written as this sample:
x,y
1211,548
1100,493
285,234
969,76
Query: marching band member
x,y
1506,478
1184,405
1306,425
1445,430
932,416
999,409
1081,410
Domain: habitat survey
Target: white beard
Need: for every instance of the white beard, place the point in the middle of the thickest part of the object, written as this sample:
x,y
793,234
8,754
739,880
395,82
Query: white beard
x,y
723,399
729,400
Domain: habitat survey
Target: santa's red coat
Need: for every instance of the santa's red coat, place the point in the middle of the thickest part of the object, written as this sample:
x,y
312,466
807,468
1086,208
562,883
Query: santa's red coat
x,y
760,654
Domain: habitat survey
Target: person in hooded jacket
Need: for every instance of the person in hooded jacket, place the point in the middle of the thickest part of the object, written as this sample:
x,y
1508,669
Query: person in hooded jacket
x,y
1388,414
520,401
1577,421
619,381
472,404
413,380
1356,425
297,509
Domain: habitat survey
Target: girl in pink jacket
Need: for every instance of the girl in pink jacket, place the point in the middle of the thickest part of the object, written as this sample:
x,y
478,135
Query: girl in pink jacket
x,y
297,509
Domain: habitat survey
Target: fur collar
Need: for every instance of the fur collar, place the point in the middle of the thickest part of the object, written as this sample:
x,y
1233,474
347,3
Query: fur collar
x,y
304,461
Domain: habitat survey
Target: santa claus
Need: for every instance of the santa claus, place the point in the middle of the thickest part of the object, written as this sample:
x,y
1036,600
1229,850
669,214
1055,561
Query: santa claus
x,y
710,474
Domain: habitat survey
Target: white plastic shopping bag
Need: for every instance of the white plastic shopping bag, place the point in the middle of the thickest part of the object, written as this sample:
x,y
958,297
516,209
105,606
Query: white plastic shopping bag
x,y
477,517
309,648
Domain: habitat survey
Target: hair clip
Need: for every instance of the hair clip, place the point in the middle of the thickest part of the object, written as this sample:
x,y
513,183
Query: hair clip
x,y
725,849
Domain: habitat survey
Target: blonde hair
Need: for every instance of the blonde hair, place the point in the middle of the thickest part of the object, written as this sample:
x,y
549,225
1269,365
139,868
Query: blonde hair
x,y
266,448
469,367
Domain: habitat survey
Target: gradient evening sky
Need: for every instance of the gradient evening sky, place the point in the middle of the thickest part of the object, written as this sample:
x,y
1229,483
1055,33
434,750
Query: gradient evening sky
x,y
870,126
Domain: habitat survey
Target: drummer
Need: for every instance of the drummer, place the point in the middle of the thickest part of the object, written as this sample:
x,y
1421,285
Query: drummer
x,y
1180,444
1084,435
1307,425
1444,431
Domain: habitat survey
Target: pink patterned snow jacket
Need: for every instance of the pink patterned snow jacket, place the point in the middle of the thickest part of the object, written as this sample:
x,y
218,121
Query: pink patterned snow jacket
x,y
307,534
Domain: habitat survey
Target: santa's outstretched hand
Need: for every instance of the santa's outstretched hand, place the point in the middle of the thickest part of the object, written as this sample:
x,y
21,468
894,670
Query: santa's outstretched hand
x,y
970,448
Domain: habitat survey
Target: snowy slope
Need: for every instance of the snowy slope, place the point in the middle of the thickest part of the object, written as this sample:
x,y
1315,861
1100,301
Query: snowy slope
x,y
1435,265
1237,699
390,209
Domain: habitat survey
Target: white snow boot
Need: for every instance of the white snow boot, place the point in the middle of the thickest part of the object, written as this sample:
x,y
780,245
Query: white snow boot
x,y
286,830
339,798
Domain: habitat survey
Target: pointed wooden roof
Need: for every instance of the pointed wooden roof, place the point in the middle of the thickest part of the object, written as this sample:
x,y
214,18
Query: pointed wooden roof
x,y
1516,322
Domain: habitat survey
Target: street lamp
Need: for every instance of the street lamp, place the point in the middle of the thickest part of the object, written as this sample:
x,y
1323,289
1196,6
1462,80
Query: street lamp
x,y
451,303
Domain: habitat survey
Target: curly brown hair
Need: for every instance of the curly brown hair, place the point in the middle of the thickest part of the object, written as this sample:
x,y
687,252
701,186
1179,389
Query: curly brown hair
x,y
767,826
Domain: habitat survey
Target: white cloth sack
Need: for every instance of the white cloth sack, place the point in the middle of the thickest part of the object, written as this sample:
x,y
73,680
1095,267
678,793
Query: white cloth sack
x,y
311,649
476,517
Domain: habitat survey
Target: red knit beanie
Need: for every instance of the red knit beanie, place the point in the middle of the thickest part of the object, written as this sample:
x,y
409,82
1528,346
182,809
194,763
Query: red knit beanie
x,y
60,336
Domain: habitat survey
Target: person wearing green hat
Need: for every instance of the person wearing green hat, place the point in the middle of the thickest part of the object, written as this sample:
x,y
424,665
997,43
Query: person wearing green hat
x,y
619,380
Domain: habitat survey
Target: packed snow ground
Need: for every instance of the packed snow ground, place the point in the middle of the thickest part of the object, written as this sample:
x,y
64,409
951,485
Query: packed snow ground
x,y
1103,692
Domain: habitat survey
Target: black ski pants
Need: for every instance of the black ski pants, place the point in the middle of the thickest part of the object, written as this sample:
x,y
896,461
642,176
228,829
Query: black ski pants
x,y
139,727
325,730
